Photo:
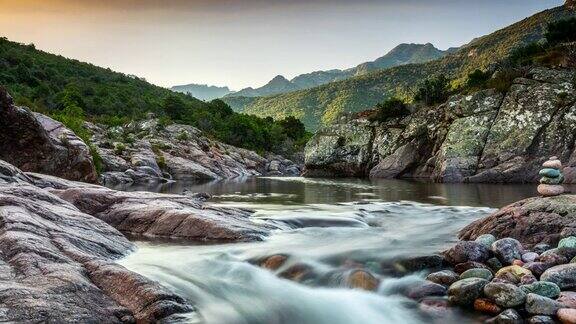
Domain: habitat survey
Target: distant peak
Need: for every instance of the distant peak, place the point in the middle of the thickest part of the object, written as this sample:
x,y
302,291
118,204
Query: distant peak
x,y
279,78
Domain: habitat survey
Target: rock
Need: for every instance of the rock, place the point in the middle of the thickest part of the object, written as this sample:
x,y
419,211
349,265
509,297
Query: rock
x,y
512,273
562,275
36,143
477,273
529,257
518,263
505,295
542,288
553,164
509,316
170,216
541,248
568,242
550,173
435,306
419,263
528,279
462,267
58,266
507,250
464,292
494,264
360,279
465,251
552,181
487,240
547,190
274,262
300,272
484,305
444,277
567,315
552,257
531,221
539,305
567,299
537,268
426,289
541,319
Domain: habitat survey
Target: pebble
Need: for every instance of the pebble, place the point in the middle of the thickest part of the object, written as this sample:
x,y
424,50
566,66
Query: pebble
x,y
552,164
552,181
462,267
540,305
484,305
567,315
466,291
541,248
508,316
529,257
553,257
542,288
550,173
541,319
486,240
513,272
435,306
567,242
537,268
507,250
563,275
426,289
518,262
550,190
504,294
567,299
528,280
477,273
465,251
444,277
494,264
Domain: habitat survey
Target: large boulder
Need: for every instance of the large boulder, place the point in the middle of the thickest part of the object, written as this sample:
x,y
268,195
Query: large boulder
x,y
531,221
57,264
37,143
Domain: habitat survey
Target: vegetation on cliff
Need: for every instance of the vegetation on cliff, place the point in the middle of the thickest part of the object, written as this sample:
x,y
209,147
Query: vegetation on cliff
x,y
70,91
321,105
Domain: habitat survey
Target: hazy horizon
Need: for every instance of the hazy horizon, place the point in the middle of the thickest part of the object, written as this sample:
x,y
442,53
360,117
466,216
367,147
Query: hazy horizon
x,y
228,43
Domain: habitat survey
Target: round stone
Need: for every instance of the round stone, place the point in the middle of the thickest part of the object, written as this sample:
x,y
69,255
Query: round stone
x,y
567,315
487,306
541,319
567,242
465,251
550,173
542,288
486,240
507,316
477,273
550,190
552,181
529,257
444,277
541,248
466,291
504,294
507,250
567,299
563,275
426,289
540,305
552,164
360,279
514,273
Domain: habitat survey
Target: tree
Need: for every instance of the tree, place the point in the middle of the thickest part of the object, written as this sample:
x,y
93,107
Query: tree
x,y
174,107
434,90
391,108
293,127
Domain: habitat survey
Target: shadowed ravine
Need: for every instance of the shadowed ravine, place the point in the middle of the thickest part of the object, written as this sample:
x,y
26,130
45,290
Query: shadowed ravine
x,y
329,226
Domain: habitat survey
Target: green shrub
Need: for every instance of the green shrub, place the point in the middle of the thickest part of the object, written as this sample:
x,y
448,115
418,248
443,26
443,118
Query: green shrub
x,y
477,80
561,32
183,136
503,79
119,148
434,90
391,108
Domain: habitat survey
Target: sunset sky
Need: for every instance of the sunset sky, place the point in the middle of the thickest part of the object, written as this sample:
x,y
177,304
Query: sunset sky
x,y
247,42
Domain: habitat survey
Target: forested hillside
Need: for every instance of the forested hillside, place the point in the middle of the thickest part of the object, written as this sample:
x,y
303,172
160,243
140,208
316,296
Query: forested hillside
x,y
324,104
70,91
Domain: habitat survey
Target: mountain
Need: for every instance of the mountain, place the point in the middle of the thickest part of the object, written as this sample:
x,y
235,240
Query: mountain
x,y
202,91
401,54
323,104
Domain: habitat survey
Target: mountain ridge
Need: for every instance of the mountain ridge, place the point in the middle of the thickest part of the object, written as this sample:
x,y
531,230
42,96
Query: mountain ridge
x,y
202,91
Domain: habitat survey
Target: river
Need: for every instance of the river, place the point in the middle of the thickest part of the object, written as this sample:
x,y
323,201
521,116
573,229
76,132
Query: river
x,y
335,225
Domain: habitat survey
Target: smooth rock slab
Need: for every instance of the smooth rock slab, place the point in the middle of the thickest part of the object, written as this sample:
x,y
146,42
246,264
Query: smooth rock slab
x,y
505,295
562,275
466,291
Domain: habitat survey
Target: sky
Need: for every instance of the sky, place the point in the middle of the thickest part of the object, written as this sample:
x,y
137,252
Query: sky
x,y
241,43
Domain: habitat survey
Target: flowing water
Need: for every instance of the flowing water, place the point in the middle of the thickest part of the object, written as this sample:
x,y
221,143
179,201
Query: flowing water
x,y
336,225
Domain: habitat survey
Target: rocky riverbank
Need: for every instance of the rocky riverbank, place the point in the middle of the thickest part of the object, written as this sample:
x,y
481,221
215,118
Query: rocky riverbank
x,y
60,238
482,137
